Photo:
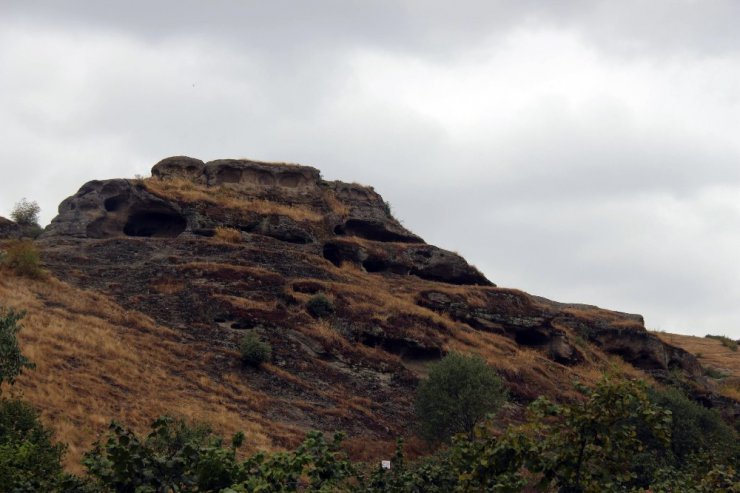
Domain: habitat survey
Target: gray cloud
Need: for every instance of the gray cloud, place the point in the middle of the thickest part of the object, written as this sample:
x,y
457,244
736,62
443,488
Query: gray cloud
x,y
582,150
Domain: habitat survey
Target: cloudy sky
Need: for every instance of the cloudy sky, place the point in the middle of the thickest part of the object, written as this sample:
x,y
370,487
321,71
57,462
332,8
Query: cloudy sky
x,y
584,150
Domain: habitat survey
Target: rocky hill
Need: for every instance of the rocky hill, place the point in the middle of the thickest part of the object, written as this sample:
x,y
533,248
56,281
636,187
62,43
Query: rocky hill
x,y
171,271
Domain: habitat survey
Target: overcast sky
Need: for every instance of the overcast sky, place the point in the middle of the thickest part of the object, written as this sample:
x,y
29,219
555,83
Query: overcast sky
x,y
586,151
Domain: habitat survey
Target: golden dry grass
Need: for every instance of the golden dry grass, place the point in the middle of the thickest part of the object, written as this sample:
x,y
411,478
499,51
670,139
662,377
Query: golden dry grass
x,y
227,235
96,361
186,191
711,353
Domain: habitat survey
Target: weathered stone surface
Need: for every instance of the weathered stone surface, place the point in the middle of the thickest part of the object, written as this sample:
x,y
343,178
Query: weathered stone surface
x,y
9,229
184,167
105,209
369,215
422,260
242,173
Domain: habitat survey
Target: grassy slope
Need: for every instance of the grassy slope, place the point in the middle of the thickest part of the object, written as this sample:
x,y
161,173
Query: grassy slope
x,y
96,362
712,354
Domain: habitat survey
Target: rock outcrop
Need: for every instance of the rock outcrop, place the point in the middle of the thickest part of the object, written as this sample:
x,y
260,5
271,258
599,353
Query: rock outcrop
x,y
280,192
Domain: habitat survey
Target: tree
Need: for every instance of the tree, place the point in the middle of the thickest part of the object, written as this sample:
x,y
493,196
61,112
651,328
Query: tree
x,y
29,460
26,213
12,361
459,392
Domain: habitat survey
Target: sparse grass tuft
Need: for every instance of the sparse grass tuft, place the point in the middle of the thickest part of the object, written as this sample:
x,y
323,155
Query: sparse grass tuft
x,y
228,235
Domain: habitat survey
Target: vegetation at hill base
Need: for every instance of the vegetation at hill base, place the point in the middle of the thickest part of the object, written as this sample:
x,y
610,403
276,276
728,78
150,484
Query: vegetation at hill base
x,y
619,436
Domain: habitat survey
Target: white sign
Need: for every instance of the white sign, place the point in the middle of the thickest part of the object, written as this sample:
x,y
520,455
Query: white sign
x,y
385,464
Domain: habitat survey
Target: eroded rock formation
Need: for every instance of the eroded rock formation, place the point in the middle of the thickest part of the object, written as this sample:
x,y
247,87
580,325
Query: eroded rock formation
x,y
399,303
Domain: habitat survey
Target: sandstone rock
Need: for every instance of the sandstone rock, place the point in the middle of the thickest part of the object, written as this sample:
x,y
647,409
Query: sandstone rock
x,y
245,174
104,209
184,167
424,261
369,215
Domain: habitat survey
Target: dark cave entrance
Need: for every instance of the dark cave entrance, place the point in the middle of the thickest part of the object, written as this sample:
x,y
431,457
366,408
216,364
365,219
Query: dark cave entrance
x,y
158,224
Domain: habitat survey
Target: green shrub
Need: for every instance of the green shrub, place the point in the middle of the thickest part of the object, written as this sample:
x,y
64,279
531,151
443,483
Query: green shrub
x,y
696,429
715,373
459,392
254,351
23,258
319,306
29,460
726,341
25,212
12,361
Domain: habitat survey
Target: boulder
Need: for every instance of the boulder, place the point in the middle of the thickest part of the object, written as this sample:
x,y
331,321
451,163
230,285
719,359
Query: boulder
x,y
183,167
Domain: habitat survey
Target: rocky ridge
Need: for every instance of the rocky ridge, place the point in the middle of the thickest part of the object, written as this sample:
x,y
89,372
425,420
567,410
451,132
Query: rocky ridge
x,y
156,246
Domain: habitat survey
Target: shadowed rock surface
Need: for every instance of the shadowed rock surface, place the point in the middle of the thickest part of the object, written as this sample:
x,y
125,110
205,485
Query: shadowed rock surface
x,y
9,229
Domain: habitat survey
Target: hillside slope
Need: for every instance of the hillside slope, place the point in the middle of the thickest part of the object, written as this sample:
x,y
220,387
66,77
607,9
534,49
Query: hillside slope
x,y
155,281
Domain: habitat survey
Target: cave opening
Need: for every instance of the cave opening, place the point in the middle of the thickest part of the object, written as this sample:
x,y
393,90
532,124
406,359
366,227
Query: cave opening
x,y
157,224
374,265
532,337
332,254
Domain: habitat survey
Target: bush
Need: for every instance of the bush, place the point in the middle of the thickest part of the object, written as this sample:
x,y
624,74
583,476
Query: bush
x,y
26,213
319,306
24,259
253,350
696,429
459,392
29,460
12,361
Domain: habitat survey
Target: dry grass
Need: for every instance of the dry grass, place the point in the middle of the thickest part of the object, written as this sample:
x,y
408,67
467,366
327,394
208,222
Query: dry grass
x,y
712,354
186,191
227,235
167,286
335,205
96,361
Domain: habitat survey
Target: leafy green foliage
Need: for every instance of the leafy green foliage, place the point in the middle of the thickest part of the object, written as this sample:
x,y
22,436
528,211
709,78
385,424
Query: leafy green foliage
x,y
430,475
695,430
254,351
459,392
319,306
316,465
589,445
173,457
12,361
177,457
25,212
29,460
24,259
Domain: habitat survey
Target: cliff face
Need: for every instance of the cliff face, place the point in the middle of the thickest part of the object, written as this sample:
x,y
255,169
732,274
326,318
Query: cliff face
x,y
159,246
